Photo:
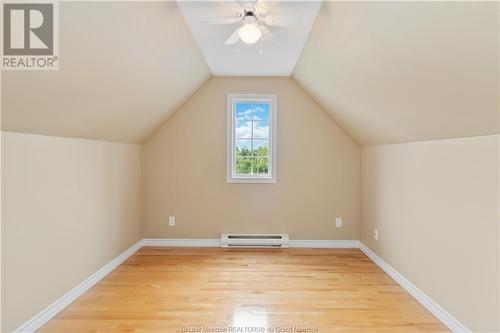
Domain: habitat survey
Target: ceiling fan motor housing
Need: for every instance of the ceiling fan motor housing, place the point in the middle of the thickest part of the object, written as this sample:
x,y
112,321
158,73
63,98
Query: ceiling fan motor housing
x,y
248,16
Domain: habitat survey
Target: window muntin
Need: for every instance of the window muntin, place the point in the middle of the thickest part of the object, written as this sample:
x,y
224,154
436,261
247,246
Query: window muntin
x,y
251,138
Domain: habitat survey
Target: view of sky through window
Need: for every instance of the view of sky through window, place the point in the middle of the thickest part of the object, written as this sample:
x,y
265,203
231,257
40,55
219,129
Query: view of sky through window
x,y
251,138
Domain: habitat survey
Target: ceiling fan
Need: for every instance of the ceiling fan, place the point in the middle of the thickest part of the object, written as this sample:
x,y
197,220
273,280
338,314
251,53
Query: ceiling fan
x,y
252,20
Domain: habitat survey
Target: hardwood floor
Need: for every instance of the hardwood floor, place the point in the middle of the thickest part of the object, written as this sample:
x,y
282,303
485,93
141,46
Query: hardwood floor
x,y
270,290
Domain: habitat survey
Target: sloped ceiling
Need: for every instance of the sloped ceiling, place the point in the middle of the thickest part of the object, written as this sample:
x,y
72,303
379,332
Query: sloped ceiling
x,y
388,72
124,68
393,72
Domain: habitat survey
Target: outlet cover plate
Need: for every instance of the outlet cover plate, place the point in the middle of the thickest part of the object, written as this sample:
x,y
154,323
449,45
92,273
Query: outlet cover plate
x,y
171,220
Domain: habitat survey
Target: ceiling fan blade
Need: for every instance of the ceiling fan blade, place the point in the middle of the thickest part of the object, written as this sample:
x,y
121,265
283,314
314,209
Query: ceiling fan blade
x,y
234,38
282,20
219,20
266,33
247,4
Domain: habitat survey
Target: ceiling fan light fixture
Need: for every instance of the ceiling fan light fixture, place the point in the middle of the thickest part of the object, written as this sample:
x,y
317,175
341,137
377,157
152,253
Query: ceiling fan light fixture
x,y
250,33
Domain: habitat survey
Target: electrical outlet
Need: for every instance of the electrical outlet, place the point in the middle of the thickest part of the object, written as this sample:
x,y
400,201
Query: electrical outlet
x,y
338,222
171,220
375,233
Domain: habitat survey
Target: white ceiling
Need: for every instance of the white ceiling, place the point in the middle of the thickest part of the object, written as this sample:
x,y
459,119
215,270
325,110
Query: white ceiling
x,y
125,67
393,72
280,49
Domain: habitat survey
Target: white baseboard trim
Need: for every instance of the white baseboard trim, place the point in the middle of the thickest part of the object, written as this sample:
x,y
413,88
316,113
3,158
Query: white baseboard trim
x,y
182,242
45,315
334,244
349,244
451,322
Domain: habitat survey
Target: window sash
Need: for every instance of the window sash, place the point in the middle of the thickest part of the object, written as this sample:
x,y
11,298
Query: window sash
x,y
270,140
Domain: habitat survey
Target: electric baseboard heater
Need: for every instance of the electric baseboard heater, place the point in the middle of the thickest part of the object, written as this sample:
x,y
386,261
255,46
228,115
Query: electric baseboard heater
x,y
255,240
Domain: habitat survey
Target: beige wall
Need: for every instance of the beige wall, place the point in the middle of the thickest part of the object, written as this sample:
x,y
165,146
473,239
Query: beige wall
x,y
435,205
69,206
184,170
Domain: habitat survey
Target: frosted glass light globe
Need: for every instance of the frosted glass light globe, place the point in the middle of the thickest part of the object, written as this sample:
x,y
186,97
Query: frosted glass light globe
x,y
250,33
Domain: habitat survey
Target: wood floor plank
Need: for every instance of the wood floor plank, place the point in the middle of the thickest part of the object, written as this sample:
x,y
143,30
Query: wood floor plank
x,y
240,290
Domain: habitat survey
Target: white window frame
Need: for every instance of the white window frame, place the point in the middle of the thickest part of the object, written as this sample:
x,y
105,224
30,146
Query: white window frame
x,y
232,99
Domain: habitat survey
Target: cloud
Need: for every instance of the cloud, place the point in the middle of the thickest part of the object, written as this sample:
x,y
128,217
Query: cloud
x,y
245,130
247,114
241,116
259,113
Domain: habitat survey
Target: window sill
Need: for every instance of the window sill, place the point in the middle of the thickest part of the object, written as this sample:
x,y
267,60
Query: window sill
x,y
244,180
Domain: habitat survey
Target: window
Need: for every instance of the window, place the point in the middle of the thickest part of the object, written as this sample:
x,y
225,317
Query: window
x,y
251,138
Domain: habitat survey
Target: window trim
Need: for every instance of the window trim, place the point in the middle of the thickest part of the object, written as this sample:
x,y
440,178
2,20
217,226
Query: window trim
x,y
232,99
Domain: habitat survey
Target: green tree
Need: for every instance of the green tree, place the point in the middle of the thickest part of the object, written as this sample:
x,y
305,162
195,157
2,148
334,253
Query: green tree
x,y
252,161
